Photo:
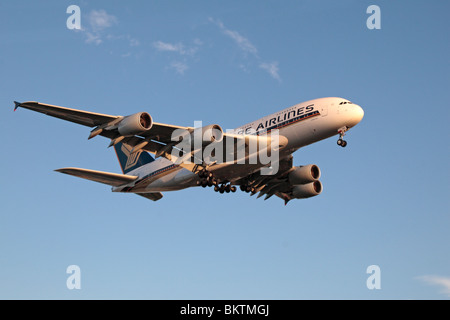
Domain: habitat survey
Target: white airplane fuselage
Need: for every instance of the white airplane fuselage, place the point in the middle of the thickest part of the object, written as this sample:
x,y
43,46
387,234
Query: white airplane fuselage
x,y
301,125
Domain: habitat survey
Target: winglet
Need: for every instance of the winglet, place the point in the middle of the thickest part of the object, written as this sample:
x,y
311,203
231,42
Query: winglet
x,y
16,105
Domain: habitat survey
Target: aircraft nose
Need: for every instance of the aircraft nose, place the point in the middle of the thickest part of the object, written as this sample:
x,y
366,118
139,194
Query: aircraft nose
x,y
357,114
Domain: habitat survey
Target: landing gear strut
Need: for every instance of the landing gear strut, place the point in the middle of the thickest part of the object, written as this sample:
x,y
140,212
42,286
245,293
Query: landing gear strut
x,y
341,142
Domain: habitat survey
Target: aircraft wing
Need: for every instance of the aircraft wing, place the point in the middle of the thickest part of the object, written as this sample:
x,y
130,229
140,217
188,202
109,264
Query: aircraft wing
x,y
269,185
90,119
112,179
107,123
156,140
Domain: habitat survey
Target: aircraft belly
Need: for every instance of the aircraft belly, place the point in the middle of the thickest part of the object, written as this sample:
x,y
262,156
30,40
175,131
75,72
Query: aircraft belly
x,y
236,171
175,180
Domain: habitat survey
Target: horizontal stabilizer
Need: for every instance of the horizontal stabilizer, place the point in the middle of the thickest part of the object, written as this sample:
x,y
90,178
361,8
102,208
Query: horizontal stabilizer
x,y
112,179
155,196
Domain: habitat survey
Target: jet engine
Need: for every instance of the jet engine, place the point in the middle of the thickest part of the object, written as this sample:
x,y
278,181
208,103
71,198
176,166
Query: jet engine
x,y
135,124
304,174
209,134
309,190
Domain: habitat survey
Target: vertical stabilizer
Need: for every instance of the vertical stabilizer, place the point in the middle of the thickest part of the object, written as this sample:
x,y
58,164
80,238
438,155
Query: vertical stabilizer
x,y
130,161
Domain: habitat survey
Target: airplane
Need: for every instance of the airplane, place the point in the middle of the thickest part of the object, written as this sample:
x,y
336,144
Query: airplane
x,y
153,162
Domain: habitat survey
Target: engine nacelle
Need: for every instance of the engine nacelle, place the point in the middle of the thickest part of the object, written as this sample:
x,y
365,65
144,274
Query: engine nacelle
x,y
304,174
303,191
209,134
135,124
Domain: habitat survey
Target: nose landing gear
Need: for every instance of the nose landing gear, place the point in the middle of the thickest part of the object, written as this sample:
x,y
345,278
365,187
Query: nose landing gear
x,y
341,142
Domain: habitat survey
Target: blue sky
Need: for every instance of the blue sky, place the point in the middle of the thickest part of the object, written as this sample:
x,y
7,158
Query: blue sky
x,y
385,199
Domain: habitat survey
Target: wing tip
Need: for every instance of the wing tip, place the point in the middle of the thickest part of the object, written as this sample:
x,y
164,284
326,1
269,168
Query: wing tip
x,y
66,170
61,170
17,105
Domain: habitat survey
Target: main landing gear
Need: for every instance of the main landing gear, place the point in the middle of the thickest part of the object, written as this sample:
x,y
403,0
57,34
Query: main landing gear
x,y
247,188
341,142
207,179
225,188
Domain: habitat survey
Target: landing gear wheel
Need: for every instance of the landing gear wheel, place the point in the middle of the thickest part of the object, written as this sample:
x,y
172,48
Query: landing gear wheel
x,y
228,188
216,188
342,143
233,189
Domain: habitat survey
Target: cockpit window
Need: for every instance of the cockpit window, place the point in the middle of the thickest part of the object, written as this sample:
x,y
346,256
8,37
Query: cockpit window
x,y
345,102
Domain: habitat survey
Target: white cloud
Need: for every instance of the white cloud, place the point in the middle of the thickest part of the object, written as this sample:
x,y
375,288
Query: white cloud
x,y
198,42
164,46
272,69
177,47
99,20
186,53
241,41
97,23
443,282
248,48
93,38
179,67
133,42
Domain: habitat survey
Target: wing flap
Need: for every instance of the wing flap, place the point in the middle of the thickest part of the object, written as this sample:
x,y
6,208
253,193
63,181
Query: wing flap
x,y
112,179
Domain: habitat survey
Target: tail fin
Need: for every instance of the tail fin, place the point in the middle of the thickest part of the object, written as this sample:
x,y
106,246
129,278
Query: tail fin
x,y
130,161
